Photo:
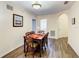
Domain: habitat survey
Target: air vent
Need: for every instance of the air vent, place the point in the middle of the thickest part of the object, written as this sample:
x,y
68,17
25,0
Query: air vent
x,y
52,33
9,7
66,2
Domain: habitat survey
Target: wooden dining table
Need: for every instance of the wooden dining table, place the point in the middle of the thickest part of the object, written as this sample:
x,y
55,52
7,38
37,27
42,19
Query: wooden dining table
x,y
38,38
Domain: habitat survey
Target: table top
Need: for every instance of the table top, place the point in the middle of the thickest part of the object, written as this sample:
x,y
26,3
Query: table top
x,y
37,36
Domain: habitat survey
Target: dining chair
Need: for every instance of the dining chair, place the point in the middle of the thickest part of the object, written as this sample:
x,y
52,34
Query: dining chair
x,y
27,33
45,42
32,32
46,38
41,31
25,43
30,46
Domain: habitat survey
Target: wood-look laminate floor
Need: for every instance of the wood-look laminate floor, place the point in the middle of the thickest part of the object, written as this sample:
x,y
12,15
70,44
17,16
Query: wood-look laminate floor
x,y
56,49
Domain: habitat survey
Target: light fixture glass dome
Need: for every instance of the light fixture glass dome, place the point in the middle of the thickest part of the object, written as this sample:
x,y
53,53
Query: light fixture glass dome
x,y
36,5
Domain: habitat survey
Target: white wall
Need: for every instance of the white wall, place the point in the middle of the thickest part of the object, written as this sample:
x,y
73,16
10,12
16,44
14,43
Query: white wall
x,y
12,37
57,22
73,35
51,22
74,29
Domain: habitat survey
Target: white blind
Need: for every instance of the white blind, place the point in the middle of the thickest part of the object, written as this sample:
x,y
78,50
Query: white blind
x,y
43,24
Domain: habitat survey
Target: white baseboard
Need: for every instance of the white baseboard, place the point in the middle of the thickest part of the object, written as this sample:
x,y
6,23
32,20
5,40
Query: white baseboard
x,y
10,50
52,37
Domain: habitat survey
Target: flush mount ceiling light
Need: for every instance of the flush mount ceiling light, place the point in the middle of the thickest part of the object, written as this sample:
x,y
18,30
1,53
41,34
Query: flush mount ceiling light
x,y
36,5
66,2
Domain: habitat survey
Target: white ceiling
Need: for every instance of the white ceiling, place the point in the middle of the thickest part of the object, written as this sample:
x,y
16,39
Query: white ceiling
x,y
48,7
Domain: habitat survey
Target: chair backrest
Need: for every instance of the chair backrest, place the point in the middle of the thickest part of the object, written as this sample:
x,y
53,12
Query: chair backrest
x,y
41,31
46,35
28,33
45,38
32,32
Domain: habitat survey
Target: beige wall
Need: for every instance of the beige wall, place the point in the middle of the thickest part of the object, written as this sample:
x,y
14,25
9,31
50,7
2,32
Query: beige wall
x,y
74,29
57,22
51,22
12,37
73,35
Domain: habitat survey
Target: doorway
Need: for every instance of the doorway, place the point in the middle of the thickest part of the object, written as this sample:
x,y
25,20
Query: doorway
x,y
34,25
63,25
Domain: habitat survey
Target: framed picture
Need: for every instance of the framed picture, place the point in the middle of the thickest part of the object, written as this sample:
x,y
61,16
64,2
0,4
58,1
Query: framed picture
x,y
73,21
17,20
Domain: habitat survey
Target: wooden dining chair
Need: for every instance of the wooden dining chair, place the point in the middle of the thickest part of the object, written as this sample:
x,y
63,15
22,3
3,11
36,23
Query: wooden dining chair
x,y
27,33
41,31
25,43
32,32
43,45
46,38
45,42
30,46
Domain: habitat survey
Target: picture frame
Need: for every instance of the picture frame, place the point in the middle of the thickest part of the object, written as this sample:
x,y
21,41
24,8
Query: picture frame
x,y
17,20
73,21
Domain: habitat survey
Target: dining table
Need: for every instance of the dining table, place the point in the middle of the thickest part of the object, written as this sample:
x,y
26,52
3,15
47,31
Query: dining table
x,y
38,38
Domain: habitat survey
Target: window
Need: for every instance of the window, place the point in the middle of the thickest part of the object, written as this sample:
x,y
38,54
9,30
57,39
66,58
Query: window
x,y
43,24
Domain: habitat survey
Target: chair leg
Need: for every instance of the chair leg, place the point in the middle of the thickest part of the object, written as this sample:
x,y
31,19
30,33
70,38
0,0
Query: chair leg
x,y
45,48
26,51
47,42
33,54
25,55
40,51
40,54
24,45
